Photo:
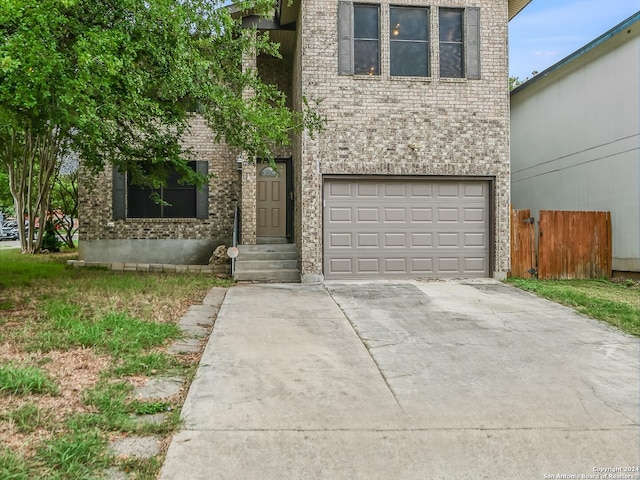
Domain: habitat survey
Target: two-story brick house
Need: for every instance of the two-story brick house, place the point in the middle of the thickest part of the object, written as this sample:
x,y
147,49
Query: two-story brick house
x,y
409,179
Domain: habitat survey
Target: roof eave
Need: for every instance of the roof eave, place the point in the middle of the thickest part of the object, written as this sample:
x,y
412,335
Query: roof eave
x,y
516,6
605,37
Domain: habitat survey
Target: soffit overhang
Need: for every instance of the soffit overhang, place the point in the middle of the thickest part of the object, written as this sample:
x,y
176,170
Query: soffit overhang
x,y
516,6
287,11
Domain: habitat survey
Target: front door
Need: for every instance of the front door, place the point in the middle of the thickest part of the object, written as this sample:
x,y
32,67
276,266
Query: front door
x,y
271,204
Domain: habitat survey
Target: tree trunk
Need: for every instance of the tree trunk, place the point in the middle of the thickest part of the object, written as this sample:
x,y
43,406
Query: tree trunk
x,y
31,164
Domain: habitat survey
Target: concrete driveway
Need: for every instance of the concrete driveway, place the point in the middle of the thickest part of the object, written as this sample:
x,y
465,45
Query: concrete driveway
x,y
407,380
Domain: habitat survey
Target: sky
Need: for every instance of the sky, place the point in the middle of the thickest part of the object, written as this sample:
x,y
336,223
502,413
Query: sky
x,y
547,31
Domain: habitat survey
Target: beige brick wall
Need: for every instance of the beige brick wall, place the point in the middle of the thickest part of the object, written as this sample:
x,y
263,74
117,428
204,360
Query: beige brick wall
x,y
224,193
380,125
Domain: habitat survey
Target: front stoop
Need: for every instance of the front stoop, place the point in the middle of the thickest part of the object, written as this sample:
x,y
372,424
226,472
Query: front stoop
x,y
267,263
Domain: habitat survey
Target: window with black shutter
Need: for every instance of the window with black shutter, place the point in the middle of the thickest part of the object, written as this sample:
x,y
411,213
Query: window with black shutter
x,y
176,199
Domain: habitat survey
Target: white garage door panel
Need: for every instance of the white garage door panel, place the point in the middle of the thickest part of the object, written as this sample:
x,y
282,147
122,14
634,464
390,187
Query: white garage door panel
x,y
405,228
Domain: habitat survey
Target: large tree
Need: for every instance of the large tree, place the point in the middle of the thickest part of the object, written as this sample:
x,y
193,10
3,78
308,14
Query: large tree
x,y
115,80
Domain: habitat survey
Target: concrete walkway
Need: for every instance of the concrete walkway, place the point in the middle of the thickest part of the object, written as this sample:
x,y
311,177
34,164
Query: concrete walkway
x,y
407,380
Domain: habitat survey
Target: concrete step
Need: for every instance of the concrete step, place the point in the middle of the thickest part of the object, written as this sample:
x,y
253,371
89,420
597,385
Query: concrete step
x,y
271,247
268,276
271,240
266,264
244,256
269,263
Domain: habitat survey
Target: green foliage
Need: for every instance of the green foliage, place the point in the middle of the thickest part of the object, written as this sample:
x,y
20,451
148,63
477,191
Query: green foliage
x,y
117,80
75,455
600,299
515,82
6,200
23,380
64,204
50,241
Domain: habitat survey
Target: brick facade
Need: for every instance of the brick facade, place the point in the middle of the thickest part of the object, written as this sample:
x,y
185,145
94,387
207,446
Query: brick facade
x,y
377,125
382,125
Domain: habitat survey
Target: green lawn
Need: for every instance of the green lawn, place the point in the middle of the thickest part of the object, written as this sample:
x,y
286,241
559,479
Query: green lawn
x,y
617,303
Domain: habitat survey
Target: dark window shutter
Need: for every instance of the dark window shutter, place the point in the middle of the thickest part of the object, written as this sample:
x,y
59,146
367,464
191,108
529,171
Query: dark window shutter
x,y
202,195
119,201
345,38
473,42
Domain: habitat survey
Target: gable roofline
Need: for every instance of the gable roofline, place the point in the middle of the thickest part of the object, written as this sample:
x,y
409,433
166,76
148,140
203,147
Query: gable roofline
x,y
602,39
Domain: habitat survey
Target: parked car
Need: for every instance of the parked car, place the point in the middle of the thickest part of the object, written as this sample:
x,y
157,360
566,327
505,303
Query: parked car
x,y
8,232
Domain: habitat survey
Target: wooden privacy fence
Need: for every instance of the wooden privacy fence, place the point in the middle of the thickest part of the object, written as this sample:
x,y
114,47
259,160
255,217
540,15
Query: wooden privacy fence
x,y
523,244
570,245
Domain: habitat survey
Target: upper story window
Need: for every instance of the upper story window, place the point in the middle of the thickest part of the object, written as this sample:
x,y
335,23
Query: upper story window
x,y
178,200
451,43
366,40
409,41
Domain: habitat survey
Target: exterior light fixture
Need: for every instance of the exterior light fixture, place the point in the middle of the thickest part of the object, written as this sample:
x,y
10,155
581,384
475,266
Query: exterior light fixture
x,y
239,162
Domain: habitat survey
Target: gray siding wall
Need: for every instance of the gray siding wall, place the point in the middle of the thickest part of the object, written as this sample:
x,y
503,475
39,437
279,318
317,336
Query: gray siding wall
x,y
575,140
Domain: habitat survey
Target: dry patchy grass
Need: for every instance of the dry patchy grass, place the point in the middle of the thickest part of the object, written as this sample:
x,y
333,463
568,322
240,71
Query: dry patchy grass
x,y
63,322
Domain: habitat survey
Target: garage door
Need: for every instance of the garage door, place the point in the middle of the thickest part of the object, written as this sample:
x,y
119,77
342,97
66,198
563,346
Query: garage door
x,y
405,228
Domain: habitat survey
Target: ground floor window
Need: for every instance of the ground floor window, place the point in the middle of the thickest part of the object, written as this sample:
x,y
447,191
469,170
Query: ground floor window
x,y
174,200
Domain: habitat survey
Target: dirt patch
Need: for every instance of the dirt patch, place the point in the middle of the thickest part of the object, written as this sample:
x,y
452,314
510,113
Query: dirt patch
x,y
73,371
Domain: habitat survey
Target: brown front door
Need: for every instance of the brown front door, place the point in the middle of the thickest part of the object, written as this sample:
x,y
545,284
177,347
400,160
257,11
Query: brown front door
x,y
271,200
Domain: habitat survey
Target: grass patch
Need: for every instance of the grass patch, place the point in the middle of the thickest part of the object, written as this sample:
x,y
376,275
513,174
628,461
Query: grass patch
x,y
142,469
27,418
7,304
110,398
115,410
18,270
23,380
115,333
13,467
118,325
148,364
149,408
75,455
615,303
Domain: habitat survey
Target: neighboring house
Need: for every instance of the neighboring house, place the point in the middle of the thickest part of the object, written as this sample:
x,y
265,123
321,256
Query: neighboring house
x,y
575,137
411,177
